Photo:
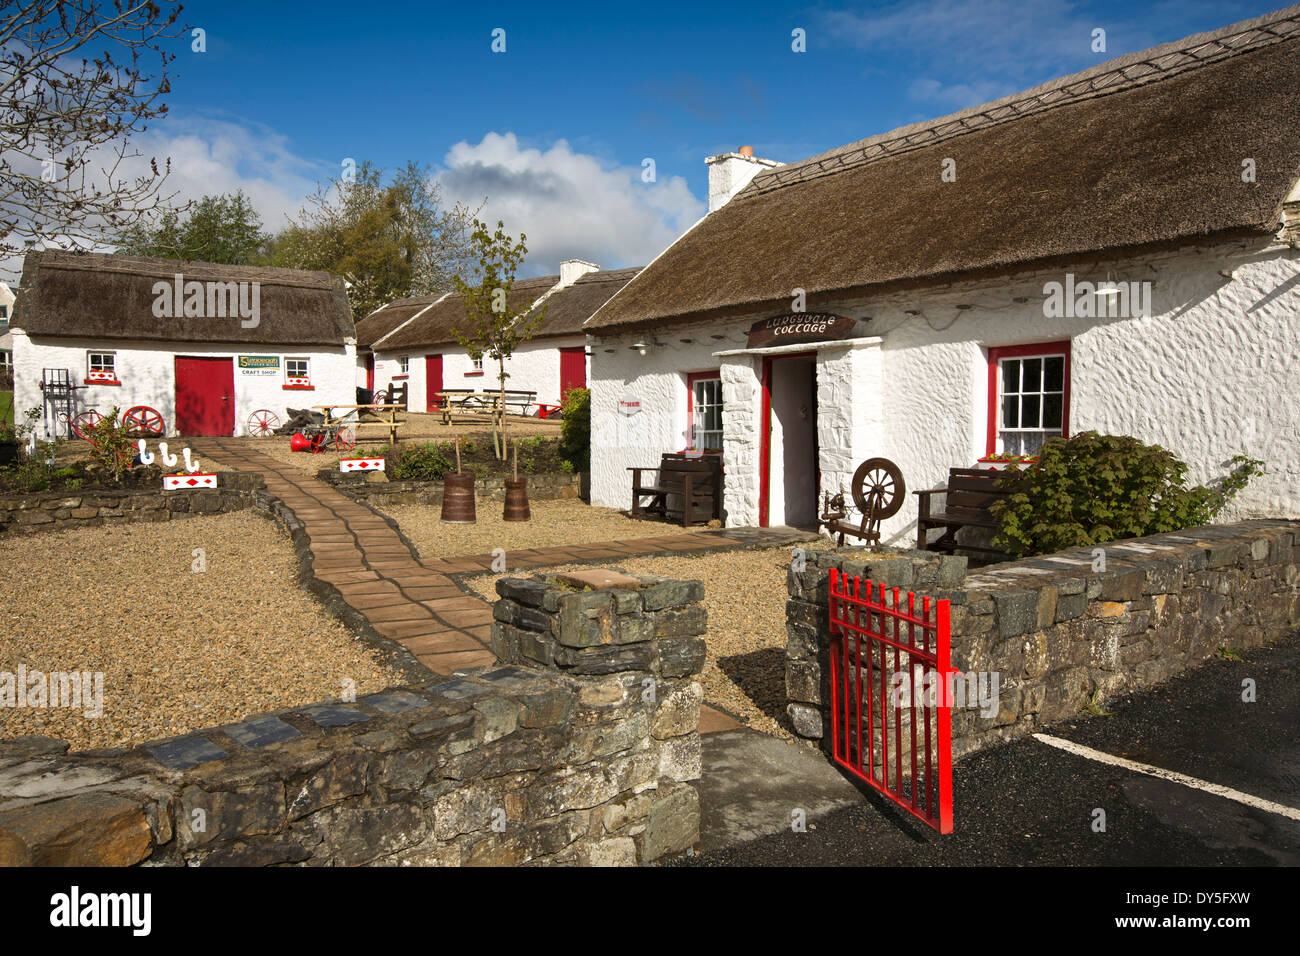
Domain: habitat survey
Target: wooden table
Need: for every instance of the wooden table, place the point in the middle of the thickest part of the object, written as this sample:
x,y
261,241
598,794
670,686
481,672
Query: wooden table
x,y
471,402
391,421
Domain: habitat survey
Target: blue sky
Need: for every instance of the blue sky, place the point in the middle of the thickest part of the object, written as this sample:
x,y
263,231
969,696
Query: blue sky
x,y
555,129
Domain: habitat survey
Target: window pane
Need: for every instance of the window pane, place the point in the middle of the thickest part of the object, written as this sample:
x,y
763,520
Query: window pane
x,y
1031,378
1054,374
1029,411
1052,412
1010,412
1010,375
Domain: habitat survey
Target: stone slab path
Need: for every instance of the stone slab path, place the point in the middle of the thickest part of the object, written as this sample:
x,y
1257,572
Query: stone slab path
x,y
417,602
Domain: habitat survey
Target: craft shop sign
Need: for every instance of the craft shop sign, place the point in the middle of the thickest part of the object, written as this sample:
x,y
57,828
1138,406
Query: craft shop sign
x,y
258,364
797,328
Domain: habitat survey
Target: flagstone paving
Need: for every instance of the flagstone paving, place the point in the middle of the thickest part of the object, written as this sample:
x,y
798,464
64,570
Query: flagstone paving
x,y
417,602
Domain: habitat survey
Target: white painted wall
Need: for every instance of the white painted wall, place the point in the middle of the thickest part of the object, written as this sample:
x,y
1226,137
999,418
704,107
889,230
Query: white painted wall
x,y
147,371
1212,373
534,367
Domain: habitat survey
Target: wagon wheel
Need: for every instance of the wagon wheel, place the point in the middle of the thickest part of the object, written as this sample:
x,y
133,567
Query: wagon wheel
x,y
144,422
83,425
878,489
262,422
345,438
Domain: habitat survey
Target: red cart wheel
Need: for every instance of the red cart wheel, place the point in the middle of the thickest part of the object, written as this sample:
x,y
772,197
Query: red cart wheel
x,y
345,438
82,425
262,423
144,422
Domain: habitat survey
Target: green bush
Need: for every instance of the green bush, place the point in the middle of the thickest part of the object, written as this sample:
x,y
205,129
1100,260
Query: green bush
x,y
575,429
112,448
421,463
1094,488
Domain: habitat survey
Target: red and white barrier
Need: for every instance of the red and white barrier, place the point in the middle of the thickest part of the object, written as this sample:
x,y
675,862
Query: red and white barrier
x,y
361,464
185,482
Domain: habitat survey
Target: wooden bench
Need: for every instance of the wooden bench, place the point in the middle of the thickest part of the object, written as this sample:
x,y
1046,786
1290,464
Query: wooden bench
x,y
971,492
393,395
521,400
696,480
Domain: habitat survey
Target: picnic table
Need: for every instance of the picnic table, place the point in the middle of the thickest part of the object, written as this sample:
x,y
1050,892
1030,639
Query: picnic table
x,y
391,421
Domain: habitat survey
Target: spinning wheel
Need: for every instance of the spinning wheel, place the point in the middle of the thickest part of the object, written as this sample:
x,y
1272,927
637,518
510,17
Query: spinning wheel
x,y
878,489
262,423
345,438
144,422
878,492
83,425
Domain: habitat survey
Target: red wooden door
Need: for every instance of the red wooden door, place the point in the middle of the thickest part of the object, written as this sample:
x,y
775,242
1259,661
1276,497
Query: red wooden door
x,y
432,381
205,395
370,371
573,369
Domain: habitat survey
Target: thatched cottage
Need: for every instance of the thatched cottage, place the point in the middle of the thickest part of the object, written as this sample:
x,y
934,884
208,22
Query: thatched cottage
x,y
203,345
1114,250
413,340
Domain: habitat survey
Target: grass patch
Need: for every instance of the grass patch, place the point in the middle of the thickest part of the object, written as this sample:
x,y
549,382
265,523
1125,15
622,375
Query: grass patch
x,y
6,408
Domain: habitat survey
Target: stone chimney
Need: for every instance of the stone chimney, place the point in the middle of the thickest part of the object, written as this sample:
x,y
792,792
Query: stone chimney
x,y
571,270
729,173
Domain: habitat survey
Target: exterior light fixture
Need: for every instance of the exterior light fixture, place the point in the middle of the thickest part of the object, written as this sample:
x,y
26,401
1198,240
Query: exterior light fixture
x,y
1107,288
716,336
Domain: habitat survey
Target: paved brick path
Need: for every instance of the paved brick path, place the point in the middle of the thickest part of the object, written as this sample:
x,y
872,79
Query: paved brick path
x,y
416,602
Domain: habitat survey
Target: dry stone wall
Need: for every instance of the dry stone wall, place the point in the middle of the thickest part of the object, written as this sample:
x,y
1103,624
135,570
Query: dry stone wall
x,y
1058,633
382,491
58,510
584,755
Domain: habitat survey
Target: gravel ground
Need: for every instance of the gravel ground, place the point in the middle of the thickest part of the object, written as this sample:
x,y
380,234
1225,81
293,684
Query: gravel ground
x,y
745,594
553,523
179,650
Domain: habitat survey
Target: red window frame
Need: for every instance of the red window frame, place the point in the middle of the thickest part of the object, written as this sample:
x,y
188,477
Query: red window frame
x,y
996,354
691,379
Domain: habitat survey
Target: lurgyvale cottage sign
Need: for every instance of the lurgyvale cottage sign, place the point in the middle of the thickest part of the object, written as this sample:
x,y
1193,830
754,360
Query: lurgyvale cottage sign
x,y
796,328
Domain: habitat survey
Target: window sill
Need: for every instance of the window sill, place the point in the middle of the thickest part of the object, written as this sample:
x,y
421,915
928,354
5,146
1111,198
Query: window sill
x,y
100,381
472,374
299,388
398,378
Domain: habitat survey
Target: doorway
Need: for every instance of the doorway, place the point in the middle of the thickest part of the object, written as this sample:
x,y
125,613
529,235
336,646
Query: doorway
x,y
789,474
432,382
573,369
205,396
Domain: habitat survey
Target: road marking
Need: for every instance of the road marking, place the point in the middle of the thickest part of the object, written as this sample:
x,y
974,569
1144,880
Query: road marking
x,y
1079,750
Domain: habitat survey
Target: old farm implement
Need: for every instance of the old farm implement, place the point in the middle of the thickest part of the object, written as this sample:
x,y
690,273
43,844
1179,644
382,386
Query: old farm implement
x,y
878,492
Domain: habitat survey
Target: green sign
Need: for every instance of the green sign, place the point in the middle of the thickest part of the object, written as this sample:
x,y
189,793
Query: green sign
x,y
259,362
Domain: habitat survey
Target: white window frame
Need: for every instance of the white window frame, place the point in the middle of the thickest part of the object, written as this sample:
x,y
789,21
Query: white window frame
x,y
306,367
404,365
1026,439
112,362
694,380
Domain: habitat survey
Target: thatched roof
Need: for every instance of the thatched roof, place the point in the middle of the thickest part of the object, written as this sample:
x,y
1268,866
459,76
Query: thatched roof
x,y
388,317
570,307
1141,152
95,296
437,325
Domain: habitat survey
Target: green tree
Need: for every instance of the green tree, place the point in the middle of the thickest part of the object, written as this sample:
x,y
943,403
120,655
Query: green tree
x,y
386,239
495,326
223,229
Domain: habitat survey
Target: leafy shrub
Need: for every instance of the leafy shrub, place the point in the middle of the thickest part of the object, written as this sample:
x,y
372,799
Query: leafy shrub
x,y
575,429
1093,488
111,446
425,462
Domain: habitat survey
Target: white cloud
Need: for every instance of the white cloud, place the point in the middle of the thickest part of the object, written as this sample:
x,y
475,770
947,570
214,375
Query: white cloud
x,y
570,205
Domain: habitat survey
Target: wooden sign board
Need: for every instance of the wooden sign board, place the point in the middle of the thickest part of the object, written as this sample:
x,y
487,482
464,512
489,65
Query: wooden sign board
x,y
797,328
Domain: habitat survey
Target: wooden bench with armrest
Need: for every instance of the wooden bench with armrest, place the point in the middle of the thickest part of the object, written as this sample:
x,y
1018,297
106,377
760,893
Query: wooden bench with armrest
x,y
696,480
969,495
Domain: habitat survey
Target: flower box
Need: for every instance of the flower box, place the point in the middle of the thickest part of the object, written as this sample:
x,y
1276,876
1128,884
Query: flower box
x,y
349,465
184,482
994,462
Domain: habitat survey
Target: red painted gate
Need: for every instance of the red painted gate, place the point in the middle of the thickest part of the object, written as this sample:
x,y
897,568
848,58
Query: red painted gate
x,y
573,369
205,395
432,382
891,677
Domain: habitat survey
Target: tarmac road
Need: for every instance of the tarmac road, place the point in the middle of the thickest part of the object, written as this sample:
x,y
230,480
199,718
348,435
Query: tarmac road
x,y
1031,803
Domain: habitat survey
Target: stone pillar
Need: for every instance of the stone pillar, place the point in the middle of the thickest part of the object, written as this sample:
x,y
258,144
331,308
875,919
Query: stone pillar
x,y
632,648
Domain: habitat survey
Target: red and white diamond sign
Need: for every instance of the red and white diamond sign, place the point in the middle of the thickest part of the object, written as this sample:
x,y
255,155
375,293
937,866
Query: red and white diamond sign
x,y
184,482
94,375
296,380
361,464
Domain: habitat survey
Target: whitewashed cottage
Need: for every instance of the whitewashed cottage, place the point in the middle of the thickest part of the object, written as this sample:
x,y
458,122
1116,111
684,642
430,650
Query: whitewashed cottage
x,y
206,347
1114,250
413,340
